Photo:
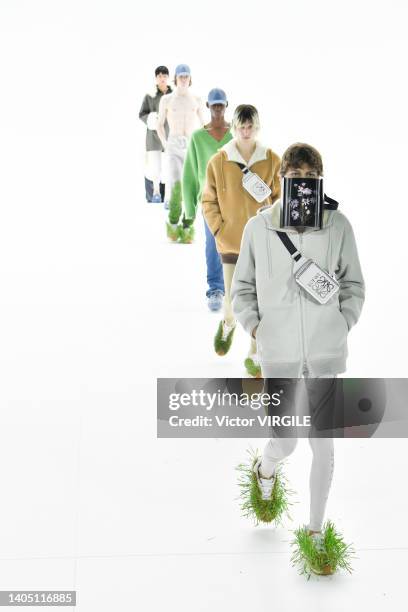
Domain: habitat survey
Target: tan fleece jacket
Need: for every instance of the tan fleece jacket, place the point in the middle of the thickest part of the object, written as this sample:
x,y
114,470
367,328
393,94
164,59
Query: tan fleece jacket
x,y
227,206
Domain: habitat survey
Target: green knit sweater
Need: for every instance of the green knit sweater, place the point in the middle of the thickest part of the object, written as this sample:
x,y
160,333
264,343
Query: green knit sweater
x,y
201,148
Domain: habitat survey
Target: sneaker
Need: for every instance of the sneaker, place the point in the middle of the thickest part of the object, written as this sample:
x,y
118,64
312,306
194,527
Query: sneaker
x,y
156,199
215,300
318,540
321,553
265,484
253,366
172,231
263,499
166,205
324,568
223,338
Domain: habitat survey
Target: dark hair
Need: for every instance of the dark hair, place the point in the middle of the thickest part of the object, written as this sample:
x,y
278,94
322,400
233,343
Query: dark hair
x,y
298,154
244,113
161,70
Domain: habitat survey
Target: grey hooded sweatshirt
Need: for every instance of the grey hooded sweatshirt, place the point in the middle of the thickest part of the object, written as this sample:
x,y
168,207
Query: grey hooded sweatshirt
x,y
297,334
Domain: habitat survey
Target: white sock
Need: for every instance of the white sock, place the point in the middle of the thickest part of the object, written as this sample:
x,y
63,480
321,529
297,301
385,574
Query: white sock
x,y
275,451
267,468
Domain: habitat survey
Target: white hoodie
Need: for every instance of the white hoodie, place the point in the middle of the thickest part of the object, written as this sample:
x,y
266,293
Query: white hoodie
x,y
295,332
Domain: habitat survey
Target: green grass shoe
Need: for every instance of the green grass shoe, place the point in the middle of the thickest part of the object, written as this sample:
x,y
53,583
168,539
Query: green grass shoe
x,y
253,366
320,553
186,234
172,231
223,338
262,499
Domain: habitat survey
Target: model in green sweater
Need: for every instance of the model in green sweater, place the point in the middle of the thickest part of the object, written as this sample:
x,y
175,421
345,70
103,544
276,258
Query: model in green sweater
x,y
203,145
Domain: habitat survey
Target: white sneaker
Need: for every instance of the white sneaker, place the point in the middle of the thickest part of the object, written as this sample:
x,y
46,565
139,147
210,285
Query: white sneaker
x,y
265,484
318,541
223,337
226,330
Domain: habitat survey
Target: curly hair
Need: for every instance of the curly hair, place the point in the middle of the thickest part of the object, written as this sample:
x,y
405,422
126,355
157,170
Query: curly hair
x,y
301,153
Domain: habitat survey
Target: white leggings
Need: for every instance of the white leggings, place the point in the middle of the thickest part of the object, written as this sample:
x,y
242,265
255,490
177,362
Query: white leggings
x,y
321,472
155,169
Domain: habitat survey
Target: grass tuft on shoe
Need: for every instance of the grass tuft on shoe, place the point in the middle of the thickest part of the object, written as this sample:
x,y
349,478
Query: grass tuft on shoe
x,y
223,338
252,366
321,553
172,231
186,234
258,502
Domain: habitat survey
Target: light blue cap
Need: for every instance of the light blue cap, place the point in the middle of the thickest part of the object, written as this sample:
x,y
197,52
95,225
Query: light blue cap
x,y
183,70
217,96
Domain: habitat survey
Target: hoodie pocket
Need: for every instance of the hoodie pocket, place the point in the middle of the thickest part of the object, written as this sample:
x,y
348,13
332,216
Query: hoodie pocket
x,y
278,335
326,330
218,235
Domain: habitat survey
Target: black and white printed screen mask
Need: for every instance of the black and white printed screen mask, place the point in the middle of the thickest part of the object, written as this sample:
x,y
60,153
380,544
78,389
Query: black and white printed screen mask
x,y
302,203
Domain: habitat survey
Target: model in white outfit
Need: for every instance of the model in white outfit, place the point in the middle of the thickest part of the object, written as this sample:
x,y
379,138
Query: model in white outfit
x,y
184,112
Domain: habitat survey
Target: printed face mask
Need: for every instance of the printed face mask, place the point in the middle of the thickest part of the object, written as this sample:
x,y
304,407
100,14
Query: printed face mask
x,y
302,203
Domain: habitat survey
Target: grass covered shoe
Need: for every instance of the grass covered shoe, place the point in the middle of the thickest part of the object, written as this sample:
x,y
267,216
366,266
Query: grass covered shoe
x,y
253,366
172,231
263,499
321,553
223,338
186,230
186,234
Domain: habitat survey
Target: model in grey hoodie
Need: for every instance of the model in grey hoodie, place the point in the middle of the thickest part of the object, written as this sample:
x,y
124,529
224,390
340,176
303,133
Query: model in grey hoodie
x,y
296,334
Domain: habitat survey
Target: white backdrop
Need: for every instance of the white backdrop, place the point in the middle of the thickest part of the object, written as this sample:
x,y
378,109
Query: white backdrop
x,y
95,304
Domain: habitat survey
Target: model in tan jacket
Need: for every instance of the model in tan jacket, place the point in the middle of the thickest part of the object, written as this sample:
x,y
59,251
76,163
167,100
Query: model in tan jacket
x,y
227,206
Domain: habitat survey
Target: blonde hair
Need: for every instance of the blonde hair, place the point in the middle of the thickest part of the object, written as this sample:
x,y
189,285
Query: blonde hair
x,y
245,113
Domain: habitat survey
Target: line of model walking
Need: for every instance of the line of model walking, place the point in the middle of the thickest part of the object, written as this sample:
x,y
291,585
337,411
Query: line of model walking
x,y
283,261
214,166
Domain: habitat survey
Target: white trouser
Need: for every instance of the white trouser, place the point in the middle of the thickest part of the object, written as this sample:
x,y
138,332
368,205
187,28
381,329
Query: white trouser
x,y
155,164
321,472
176,150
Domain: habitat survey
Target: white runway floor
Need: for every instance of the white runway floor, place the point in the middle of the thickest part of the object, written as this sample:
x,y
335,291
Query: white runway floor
x,y
92,501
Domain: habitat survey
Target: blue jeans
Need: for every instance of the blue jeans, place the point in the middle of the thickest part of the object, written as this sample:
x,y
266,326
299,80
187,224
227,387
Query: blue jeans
x,y
215,277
